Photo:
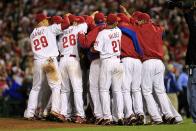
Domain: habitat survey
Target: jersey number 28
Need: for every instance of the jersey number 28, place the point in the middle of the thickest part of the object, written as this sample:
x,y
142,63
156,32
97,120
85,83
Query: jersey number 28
x,y
40,43
72,40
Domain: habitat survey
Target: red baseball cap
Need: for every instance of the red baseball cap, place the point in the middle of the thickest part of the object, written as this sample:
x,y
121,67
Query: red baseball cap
x,y
144,16
72,18
99,17
136,14
112,18
80,19
40,17
56,19
132,20
123,18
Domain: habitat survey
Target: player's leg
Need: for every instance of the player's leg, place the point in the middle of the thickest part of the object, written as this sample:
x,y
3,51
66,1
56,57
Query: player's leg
x,y
117,78
54,81
136,90
94,88
43,98
147,79
75,74
105,83
178,117
159,89
33,96
65,89
126,90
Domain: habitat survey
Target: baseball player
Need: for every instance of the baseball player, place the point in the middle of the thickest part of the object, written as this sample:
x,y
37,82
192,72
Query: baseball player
x,y
87,41
43,43
108,44
46,103
71,70
150,37
130,56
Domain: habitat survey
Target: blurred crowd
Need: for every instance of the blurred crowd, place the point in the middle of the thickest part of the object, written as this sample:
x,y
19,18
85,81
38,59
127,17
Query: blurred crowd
x,y
16,23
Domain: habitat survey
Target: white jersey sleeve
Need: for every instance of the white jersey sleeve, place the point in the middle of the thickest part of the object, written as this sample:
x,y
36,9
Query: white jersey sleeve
x,y
82,28
99,43
56,29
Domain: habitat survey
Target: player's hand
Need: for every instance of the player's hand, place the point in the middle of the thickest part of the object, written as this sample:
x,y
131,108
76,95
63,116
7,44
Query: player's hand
x,y
93,14
123,9
67,14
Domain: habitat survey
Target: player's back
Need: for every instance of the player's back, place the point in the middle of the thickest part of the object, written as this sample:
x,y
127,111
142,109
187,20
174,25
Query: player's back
x,y
43,41
68,42
111,40
150,38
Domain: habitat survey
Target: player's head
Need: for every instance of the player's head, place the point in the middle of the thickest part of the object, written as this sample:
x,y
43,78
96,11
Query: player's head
x,y
41,20
99,18
112,20
144,18
56,19
123,18
72,19
80,19
136,14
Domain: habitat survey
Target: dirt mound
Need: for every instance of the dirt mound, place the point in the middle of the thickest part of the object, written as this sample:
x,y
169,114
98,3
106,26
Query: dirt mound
x,y
11,124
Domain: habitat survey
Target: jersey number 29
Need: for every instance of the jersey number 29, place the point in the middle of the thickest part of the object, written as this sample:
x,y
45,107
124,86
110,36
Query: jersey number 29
x,y
40,43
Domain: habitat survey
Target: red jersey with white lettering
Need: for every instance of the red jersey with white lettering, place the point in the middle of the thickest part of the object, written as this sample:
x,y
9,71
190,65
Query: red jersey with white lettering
x,y
68,42
43,41
150,38
108,43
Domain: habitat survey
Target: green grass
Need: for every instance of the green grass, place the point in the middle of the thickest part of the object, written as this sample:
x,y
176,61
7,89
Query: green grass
x,y
186,126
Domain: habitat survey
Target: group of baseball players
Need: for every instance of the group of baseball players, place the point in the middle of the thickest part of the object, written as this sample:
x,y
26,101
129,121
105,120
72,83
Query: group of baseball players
x,y
126,69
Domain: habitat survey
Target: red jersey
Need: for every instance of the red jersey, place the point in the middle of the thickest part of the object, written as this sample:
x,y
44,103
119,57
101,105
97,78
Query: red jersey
x,y
86,41
150,38
127,47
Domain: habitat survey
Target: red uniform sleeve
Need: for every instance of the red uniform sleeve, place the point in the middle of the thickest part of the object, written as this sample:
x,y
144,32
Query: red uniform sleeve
x,y
89,20
86,41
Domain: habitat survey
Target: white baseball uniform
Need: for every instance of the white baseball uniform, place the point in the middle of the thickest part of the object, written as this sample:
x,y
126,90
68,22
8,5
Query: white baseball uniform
x,y
131,84
111,72
70,69
43,43
153,79
94,87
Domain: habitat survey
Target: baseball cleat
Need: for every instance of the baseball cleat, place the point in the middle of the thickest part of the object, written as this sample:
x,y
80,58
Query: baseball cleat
x,y
106,122
131,120
99,121
62,118
140,120
120,122
80,120
156,122
30,118
170,120
54,116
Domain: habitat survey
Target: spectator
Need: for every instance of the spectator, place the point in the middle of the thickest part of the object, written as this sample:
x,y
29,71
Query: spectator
x,y
171,85
182,83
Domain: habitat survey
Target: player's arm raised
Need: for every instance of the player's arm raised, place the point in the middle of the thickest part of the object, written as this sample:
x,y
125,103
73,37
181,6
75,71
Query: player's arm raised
x,y
58,28
124,10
